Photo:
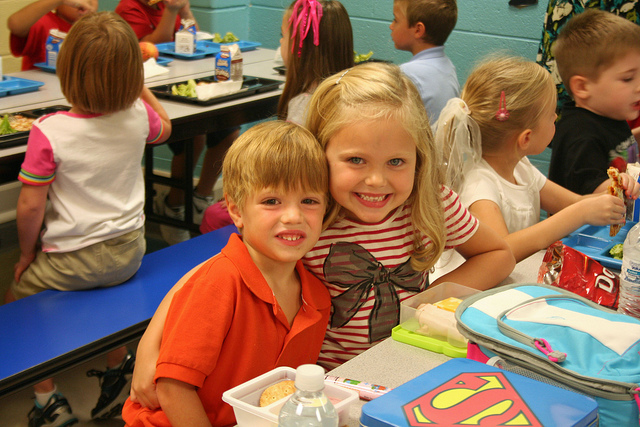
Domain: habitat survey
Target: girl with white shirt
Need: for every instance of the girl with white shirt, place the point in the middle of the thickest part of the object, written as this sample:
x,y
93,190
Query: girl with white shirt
x,y
507,112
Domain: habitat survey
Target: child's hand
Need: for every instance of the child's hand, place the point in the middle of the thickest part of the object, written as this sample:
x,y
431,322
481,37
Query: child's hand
x,y
176,5
22,264
630,185
604,209
143,389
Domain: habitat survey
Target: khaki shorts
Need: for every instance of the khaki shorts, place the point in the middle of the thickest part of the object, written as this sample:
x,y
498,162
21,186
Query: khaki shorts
x,y
102,264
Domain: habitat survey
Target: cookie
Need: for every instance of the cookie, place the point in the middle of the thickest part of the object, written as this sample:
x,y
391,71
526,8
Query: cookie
x,y
276,392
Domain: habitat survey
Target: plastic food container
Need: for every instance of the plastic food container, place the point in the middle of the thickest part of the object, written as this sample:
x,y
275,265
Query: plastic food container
x,y
245,397
435,333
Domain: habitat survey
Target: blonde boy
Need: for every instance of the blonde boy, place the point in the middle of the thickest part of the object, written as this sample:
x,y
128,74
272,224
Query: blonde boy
x,y
422,28
598,58
253,307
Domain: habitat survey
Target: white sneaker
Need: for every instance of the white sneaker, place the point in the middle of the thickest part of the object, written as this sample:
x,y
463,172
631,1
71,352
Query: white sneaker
x,y
170,234
200,204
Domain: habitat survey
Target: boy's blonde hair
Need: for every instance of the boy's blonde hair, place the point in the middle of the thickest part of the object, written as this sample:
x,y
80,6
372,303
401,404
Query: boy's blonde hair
x,y
592,41
528,90
100,64
379,91
333,53
274,154
439,18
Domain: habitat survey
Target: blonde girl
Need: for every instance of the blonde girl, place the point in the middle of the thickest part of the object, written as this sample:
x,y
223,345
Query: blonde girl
x,y
83,186
506,113
392,217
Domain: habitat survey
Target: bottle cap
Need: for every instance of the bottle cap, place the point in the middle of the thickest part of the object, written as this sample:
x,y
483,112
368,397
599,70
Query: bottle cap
x,y
309,378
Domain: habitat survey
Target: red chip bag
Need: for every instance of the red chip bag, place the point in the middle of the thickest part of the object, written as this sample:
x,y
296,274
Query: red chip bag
x,y
566,268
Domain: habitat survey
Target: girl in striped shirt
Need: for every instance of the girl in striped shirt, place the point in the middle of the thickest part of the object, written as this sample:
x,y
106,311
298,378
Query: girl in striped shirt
x,y
392,217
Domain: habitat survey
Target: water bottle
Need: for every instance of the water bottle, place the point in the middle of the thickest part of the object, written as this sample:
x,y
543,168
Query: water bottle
x,y
629,301
308,406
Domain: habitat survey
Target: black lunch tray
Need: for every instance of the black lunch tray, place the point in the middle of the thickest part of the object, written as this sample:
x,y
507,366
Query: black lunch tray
x,y
250,86
21,137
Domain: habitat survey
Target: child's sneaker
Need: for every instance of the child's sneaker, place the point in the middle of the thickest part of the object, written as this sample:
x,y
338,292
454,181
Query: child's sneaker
x,y
56,413
115,385
170,234
200,204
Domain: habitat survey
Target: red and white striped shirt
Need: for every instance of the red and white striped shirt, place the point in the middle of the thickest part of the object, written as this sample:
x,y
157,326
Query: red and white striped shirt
x,y
366,268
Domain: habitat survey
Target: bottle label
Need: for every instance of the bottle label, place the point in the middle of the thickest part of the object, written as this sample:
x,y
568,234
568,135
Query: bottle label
x,y
630,271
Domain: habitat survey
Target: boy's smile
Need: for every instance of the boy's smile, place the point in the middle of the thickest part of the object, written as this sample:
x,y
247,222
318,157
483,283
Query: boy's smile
x,y
278,226
372,166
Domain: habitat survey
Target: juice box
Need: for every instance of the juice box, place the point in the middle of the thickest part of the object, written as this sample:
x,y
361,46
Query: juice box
x,y
52,46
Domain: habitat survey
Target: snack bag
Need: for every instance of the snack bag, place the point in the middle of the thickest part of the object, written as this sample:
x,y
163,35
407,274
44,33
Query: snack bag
x,y
52,46
569,269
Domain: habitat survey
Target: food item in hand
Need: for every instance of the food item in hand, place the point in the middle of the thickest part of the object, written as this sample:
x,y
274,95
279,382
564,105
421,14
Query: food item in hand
x,y
188,90
276,392
615,189
616,251
228,38
152,2
149,50
5,126
362,57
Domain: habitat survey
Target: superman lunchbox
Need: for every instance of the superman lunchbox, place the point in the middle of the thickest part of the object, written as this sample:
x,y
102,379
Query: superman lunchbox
x,y
464,392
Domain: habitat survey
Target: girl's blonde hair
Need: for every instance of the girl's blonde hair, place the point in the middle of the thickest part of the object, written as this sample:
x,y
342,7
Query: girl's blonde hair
x,y
471,126
100,64
310,64
380,91
274,154
528,88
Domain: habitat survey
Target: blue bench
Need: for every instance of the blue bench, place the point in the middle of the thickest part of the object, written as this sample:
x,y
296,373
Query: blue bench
x,y
53,331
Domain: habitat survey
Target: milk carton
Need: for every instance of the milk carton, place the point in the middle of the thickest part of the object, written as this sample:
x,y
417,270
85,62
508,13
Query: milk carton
x,y
185,38
236,62
52,46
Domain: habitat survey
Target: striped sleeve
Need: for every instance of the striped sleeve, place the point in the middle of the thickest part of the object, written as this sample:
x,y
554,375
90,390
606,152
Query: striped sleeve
x,y
459,222
39,167
156,128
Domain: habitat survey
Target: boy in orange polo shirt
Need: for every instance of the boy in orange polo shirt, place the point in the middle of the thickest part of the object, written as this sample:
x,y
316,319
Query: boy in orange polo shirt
x,y
252,307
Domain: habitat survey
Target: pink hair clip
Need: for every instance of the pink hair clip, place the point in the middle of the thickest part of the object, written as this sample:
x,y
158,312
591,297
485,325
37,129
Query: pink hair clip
x,y
502,114
308,18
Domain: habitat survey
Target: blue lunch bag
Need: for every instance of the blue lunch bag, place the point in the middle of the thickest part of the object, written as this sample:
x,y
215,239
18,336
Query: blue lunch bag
x,y
556,336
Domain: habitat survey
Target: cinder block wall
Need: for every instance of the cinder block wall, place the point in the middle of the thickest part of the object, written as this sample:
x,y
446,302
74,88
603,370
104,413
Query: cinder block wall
x,y
484,26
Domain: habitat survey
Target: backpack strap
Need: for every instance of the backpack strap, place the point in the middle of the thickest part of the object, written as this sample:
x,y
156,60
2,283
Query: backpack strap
x,y
539,344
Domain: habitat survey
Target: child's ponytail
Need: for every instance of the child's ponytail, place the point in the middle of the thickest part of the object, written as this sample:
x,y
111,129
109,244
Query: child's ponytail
x,y
458,140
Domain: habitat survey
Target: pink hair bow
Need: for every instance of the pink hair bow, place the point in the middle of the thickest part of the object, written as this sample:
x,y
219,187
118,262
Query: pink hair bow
x,y
308,17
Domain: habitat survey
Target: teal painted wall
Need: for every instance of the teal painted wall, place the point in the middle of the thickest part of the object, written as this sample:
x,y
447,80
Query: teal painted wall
x,y
484,27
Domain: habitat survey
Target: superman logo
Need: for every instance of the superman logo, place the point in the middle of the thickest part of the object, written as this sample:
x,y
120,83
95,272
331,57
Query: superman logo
x,y
471,399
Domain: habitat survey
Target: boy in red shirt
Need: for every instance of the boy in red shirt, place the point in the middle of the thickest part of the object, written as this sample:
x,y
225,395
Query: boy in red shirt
x,y
30,26
252,307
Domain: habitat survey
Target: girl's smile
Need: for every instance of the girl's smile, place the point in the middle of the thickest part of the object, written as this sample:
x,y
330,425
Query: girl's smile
x,y
372,165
